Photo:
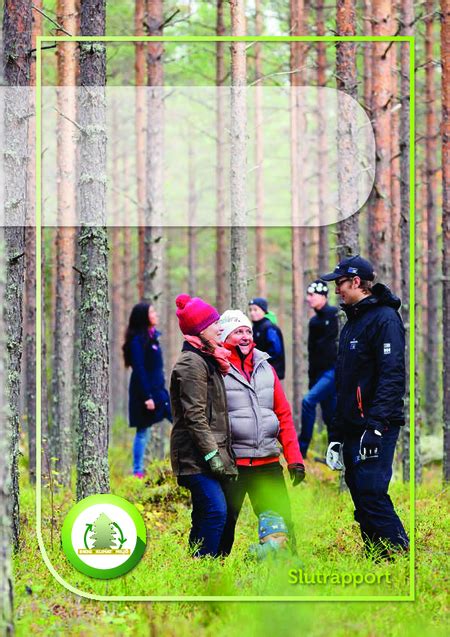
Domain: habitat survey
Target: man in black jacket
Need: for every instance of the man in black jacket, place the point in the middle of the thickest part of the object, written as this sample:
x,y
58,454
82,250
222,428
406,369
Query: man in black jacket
x,y
267,336
322,353
370,380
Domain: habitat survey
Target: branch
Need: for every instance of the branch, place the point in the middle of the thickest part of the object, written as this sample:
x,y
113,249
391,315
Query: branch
x,y
70,120
57,25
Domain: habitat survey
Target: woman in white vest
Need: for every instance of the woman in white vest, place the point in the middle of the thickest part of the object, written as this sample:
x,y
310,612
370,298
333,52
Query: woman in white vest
x,y
261,428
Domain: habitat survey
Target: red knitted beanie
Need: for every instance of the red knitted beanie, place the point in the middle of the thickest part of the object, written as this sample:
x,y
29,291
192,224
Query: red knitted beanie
x,y
194,314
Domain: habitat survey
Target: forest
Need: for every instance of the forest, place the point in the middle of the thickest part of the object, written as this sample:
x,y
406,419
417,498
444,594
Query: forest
x,y
228,150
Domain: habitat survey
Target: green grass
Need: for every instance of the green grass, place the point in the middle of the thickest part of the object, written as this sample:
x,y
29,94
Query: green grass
x,y
328,541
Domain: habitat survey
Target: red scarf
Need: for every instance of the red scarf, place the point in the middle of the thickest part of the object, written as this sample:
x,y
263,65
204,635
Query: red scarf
x,y
220,354
237,358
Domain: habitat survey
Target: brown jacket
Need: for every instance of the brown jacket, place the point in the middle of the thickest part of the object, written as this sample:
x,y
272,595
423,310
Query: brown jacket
x,y
200,415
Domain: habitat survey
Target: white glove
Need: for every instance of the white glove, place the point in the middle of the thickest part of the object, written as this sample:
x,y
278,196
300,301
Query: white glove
x,y
334,456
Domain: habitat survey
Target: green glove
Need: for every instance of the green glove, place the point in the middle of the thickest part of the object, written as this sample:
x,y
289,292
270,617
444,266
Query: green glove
x,y
217,467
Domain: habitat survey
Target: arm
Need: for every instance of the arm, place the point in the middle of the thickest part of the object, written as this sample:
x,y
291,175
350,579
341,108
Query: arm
x,y
287,435
389,348
274,347
138,365
193,388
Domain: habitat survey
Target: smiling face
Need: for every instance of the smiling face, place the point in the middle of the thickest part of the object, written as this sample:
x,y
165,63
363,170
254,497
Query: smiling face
x,y
212,333
241,337
348,289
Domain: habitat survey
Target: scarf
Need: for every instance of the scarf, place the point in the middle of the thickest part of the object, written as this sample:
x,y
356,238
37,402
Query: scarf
x,y
220,354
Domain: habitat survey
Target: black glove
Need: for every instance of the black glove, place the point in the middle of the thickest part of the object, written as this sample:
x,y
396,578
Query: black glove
x,y
297,473
370,444
217,467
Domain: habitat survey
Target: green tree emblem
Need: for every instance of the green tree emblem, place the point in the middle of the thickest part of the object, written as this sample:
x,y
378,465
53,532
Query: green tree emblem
x,y
103,533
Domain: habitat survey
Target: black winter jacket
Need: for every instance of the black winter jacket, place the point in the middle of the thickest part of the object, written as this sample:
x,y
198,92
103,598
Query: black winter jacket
x,y
370,372
269,339
322,342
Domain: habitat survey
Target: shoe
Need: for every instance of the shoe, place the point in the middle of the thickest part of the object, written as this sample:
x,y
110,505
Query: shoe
x,y
138,474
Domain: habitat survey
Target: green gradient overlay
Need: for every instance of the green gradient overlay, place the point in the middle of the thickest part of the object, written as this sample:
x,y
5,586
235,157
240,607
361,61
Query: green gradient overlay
x,y
287,39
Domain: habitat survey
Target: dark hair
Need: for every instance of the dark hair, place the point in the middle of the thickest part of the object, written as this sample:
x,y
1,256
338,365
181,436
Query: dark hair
x,y
138,324
366,286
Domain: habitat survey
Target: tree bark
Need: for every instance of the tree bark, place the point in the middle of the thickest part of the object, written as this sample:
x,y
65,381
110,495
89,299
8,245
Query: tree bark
x,y
260,246
141,116
407,20
221,232
92,464
395,177
432,407
347,229
192,229
296,62
63,351
445,55
380,230
322,149
17,26
238,174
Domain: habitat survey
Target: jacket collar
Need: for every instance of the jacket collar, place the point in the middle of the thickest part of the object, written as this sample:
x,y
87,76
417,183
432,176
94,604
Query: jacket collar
x,y
209,360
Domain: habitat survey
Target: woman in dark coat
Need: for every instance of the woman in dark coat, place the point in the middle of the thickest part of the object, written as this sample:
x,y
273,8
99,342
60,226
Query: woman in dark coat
x,y
148,398
200,442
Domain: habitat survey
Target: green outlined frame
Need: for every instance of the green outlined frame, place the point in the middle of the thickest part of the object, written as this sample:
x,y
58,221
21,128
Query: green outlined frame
x,y
184,39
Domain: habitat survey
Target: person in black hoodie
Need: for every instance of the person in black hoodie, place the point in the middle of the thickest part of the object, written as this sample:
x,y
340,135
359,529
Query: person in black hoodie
x,y
267,336
370,381
322,353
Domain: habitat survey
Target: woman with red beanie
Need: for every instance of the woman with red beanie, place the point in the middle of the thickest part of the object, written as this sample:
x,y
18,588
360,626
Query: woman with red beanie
x,y
200,442
261,427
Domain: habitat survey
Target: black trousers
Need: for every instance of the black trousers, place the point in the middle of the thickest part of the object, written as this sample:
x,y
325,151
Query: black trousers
x,y
368,482
267,491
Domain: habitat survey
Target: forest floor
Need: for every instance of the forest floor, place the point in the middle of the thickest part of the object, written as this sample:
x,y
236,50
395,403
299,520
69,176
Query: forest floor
x,y
328,542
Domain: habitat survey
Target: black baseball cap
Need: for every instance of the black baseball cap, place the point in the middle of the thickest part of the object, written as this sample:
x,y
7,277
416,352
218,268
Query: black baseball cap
x,y
351,266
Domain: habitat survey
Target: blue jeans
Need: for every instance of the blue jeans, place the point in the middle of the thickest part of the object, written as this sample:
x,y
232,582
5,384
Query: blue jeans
x,y
324,392
368,481
209,512
139,445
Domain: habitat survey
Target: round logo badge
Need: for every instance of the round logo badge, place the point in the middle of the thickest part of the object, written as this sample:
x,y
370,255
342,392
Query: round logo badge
x,y
104,536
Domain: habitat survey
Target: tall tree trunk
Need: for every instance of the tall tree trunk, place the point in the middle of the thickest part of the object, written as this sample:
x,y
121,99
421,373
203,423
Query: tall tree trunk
x,y
17,25
92,465
154,245
30,269
296,63
432,407
380,230
6,577
141,116
395,177
192,229
322,148
63,351
347,229
445,55
260,246
407,20
238,181
221,232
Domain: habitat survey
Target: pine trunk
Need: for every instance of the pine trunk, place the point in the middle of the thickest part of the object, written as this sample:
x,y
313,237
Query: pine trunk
x,y
154,244
65,247
238,172
407,19
221,232
445,54
17,26
395,177
92,465
322,146
380,230
260,246
192,229
141,116
432,407
296,63
347,229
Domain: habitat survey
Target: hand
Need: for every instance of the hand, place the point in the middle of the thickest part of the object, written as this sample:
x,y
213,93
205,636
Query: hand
x,y
150,404
217,467
334,456
297,473
233,473
370,444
